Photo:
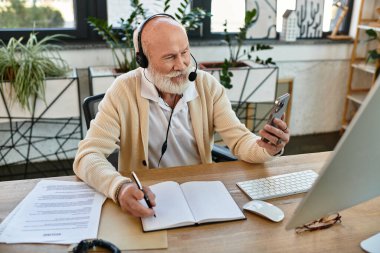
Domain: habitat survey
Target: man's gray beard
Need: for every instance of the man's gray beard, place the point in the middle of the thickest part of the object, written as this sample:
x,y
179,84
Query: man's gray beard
x,y
164,83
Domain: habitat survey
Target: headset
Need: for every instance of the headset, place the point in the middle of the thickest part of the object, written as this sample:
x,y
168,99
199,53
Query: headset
x,y
141,58
85,245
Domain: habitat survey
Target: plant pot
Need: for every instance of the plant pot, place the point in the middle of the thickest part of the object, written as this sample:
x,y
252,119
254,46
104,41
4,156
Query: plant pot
x,y
101,78
218,65
251,82
61,108
50,131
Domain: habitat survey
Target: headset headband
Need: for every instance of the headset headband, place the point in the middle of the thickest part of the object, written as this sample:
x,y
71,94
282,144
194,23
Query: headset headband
x,y
141,58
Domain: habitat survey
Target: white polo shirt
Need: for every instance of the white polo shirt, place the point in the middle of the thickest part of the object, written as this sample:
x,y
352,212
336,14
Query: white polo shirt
x,y
181,145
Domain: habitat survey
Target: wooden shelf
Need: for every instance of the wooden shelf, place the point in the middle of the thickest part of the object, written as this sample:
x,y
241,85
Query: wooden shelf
x,y
366,67
356,93
357,97
369,27
367,20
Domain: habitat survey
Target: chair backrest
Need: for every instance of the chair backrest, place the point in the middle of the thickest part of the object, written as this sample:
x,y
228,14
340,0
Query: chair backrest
x,y
90,107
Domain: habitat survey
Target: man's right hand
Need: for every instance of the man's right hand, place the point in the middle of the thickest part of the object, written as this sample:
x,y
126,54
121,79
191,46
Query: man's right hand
x,y
129,197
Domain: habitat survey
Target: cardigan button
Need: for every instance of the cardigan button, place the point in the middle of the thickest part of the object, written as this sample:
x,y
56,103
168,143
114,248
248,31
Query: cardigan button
x,y
144,162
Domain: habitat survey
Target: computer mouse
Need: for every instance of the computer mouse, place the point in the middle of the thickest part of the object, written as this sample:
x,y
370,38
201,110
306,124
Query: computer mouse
x,y
265,209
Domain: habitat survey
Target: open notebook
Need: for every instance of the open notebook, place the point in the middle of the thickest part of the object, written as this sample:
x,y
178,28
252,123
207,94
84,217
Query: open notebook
x,y
191,203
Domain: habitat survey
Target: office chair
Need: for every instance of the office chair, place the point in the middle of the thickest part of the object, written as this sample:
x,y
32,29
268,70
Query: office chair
x,y
90,108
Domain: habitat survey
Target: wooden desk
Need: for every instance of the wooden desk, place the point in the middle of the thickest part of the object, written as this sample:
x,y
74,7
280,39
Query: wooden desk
x,y
252,235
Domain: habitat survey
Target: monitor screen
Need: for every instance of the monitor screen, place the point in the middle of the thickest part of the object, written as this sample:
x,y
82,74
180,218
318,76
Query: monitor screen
x,y
351,175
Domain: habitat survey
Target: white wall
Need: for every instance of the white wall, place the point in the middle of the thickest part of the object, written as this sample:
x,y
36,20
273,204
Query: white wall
x,y
319,71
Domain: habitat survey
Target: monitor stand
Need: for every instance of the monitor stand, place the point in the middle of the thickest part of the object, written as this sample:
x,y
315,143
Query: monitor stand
x,y
371,244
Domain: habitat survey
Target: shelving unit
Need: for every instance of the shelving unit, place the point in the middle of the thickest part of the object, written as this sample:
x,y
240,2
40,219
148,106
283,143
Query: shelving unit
x,y
362,74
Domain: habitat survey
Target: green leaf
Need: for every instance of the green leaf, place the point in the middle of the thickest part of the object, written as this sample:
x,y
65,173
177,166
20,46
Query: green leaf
x,y
30,65
371,33
183,5
268,61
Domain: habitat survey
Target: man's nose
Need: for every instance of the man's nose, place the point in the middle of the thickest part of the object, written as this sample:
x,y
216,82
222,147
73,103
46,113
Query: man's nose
x,y
180,64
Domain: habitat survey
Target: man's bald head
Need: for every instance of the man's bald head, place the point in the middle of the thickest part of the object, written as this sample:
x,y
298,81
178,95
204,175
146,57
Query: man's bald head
x,y
160,32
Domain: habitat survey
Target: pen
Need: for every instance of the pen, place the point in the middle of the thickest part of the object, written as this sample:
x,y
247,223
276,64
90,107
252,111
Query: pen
x,y
139,185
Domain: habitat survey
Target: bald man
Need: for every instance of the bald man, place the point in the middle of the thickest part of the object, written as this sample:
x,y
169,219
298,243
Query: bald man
x,y
157,104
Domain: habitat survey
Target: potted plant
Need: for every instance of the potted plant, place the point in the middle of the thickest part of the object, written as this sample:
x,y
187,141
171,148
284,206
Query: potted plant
x,y
24,67
39,103
374,53
120,40
236,52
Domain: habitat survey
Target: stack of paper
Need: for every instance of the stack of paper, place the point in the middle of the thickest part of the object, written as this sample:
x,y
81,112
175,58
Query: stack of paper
x,y
59,212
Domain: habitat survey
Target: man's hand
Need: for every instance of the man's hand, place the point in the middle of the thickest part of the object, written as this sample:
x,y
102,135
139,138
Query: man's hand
x,y
277,137
129,200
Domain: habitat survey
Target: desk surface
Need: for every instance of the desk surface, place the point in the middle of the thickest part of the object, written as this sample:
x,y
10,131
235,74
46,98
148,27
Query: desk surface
x,y
252,235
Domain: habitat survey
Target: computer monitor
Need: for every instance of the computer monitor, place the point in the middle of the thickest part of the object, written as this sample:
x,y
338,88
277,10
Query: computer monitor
x,y
351,174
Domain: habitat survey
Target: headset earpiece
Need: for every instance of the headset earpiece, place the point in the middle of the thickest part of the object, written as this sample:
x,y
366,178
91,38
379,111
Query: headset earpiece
x,y
192,76
142,60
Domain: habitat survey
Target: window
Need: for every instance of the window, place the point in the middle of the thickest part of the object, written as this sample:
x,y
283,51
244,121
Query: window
x,y
230,11
37,14
117,9
270,15
20,17
332,9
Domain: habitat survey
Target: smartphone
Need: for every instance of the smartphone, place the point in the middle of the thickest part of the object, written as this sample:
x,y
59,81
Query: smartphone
x,y
278,110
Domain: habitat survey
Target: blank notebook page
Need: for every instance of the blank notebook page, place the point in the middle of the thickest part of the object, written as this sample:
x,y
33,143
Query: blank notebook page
x,y
210,201
171,207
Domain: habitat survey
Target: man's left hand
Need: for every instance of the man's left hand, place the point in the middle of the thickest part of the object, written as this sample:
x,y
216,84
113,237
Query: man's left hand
x,y
278,137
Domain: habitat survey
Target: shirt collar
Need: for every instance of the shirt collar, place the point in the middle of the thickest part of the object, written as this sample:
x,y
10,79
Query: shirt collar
x,y
149,91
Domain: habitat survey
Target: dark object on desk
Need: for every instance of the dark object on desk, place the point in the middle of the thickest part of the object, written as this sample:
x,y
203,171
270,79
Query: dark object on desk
x,y
322,223
85,245
90,108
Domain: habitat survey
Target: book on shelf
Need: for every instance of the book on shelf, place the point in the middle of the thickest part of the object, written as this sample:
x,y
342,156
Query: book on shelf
x,y
191,203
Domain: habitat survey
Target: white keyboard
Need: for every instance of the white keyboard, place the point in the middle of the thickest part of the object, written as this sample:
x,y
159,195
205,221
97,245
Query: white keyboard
x,y
278,186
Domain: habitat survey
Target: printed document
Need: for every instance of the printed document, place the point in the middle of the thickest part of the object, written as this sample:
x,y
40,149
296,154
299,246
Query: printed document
x,y
60,212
